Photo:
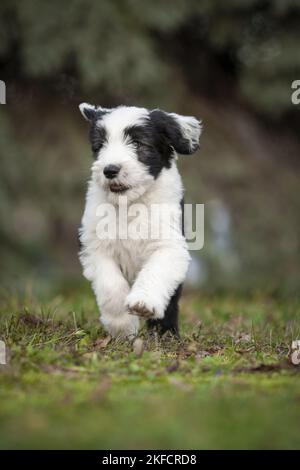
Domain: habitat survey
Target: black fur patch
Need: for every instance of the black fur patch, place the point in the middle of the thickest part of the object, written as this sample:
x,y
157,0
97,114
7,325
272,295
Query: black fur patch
x,y
170,320
98,137
152,147
157,139
93,113
97,133
167,126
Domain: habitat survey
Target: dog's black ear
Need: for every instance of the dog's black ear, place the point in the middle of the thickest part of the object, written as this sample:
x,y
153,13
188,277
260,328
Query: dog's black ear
x,y
91,112
88,111
182,132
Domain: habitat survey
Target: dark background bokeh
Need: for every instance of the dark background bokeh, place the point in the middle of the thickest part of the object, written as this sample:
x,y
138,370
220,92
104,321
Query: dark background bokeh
x,y
229,63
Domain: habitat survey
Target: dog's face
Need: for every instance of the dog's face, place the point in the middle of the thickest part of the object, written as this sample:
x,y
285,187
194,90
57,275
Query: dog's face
x,y
133,145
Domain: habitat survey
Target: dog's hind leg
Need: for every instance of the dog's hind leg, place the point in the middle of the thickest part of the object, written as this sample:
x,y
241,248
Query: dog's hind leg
x,y
170,320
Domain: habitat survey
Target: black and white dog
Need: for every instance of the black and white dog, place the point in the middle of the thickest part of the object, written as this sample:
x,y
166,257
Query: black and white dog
x,y
136,277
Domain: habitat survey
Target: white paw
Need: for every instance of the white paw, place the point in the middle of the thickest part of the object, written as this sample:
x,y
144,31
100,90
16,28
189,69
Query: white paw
x,y
143,307
124,325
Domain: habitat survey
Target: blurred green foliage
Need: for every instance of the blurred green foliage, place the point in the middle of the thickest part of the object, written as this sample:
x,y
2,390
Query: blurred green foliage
x,y
121,46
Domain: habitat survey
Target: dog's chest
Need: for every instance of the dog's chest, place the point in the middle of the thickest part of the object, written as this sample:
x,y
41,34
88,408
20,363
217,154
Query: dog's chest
x,y
131,256
130,244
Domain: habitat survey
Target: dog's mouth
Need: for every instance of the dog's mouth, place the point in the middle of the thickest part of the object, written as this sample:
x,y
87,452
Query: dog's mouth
x,y
118,188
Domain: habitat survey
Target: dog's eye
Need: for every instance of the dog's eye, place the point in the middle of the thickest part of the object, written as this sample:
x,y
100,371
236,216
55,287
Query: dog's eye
x,y
97,144
136,144
96,148
98,139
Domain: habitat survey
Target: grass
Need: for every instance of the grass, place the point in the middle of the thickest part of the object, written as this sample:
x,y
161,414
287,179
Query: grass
x,y
228,383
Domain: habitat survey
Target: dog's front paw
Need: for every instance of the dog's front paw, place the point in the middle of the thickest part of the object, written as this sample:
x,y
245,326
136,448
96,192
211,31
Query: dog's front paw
x,y
143,307
141,310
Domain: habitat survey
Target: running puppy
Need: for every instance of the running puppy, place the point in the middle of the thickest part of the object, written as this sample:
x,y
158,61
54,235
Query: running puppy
x,y
138,274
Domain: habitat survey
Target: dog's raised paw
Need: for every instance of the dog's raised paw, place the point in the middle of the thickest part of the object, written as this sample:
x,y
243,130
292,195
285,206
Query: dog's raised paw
x,y
141,310
143,306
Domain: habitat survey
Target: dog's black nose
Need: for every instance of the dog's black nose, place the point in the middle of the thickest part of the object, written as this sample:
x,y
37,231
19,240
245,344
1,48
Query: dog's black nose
x,y
111,171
